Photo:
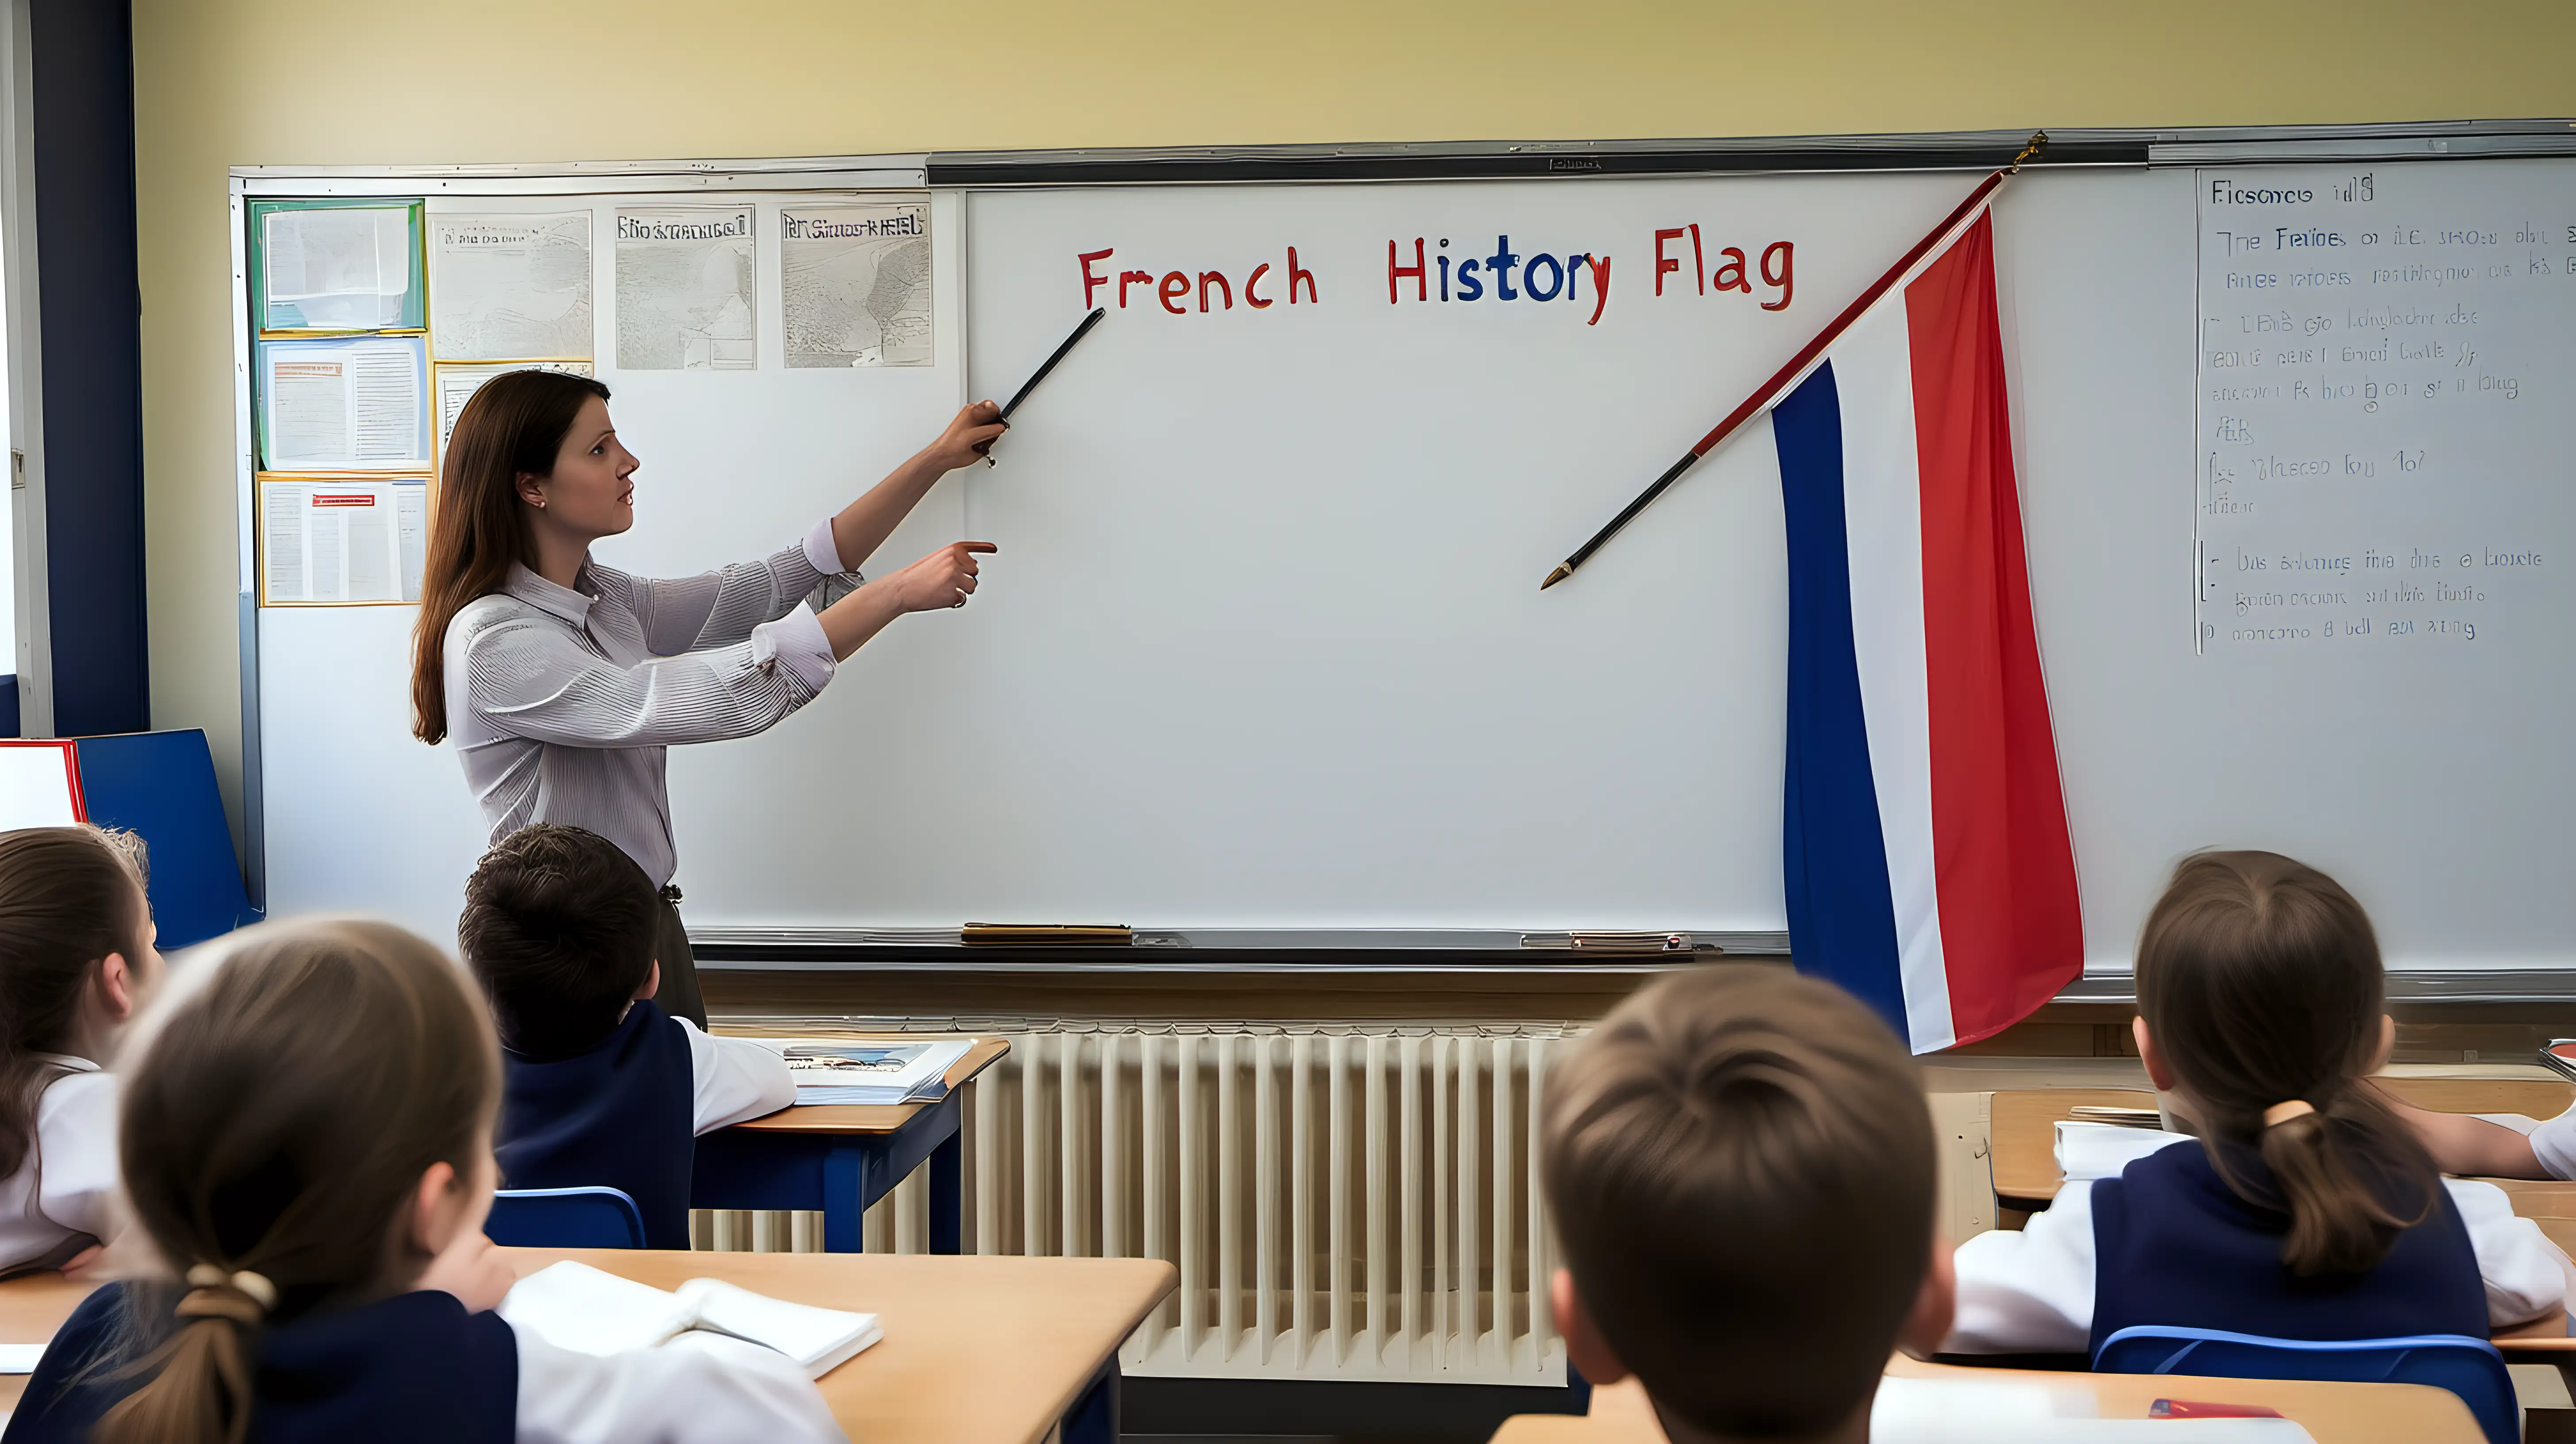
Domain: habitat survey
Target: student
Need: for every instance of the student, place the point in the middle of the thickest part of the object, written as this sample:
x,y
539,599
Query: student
x,y
76,958
1740,1161
307,1142
602,1087
2308,1210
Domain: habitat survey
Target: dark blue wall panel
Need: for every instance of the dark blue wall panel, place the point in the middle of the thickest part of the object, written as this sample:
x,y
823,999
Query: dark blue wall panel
x,y
90,305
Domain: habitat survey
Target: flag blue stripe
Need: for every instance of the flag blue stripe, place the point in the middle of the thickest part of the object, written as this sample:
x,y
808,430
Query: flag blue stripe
x,y
1842,919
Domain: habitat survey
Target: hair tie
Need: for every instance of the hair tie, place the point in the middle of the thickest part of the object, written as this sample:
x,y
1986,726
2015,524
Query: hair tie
x,y
2280,1113
243,1297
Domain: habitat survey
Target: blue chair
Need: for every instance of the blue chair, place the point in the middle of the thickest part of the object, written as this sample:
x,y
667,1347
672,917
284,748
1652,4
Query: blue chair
x,y
2470,1368
589,1217
162,785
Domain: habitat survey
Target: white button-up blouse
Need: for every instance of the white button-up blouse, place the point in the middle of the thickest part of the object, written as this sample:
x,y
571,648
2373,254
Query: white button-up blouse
x,y
563,702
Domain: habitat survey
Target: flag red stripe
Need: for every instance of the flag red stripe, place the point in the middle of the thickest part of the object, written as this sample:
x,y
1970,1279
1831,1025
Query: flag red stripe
x,y
2011,932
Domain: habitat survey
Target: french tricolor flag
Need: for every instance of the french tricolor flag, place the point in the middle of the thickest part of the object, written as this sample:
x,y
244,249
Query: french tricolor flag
x,y
1926,853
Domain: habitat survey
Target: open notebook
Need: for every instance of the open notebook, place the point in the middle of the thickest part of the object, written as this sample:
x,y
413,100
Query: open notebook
x,y
577,1307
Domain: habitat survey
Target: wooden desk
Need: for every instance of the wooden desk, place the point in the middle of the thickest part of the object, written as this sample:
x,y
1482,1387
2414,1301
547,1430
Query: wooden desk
x,y
2332,1413
31,1308
2021,1147
984,1350
842,1158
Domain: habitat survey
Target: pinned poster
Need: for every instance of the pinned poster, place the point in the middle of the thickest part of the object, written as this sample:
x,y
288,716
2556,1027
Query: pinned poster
x,y
685,294
336,265
506,286
359,404
854,284
339,541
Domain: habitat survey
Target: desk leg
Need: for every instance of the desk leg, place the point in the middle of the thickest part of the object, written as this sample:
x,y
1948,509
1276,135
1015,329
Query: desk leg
x,y
843,1231
948,1195
1093,1419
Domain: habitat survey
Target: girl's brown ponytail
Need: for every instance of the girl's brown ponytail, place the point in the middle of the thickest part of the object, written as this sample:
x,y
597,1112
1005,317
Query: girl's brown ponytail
x,y
2260,981
202,1392
287,1095
2338,1222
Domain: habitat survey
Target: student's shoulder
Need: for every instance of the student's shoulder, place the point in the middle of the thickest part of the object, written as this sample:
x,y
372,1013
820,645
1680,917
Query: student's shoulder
x,y
77,1098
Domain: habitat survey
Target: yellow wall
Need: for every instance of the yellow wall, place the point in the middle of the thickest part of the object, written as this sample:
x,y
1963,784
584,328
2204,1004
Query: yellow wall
x,y
219,83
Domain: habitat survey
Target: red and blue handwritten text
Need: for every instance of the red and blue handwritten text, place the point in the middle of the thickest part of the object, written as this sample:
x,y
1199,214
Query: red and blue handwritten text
x,y
1422,272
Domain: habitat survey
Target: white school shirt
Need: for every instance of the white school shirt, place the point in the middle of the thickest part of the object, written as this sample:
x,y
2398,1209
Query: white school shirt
x,y
2553,1142
563,701
699,1388
735,1079
2031,1292
66,1185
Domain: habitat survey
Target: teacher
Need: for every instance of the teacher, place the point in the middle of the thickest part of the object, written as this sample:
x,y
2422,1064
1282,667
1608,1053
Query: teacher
x,y
565,682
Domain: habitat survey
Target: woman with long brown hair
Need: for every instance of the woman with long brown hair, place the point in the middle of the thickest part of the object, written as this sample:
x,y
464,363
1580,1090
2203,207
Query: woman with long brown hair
x,y
563,682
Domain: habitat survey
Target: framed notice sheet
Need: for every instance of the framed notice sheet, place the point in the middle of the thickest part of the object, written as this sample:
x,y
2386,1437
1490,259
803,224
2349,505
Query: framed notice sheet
x,y
355,404
458,381
339,541
335,265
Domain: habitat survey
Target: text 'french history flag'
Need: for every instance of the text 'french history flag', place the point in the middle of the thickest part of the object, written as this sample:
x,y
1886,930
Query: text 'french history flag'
x,y
1927,860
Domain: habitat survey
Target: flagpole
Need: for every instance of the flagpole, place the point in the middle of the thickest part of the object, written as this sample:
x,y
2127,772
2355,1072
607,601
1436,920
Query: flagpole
x,y
1770,390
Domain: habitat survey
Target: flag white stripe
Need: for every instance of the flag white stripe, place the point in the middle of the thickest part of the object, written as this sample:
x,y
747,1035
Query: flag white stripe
x,y
1882,512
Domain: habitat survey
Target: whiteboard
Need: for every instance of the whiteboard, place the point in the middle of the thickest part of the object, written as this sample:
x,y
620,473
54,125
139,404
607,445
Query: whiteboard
x,y
1263,647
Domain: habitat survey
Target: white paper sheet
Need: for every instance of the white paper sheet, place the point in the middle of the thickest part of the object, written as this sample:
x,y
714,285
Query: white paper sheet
x,y
35,787
458,383
337,269
1952,1411
503,287
344,405
686,298
854,282
340,541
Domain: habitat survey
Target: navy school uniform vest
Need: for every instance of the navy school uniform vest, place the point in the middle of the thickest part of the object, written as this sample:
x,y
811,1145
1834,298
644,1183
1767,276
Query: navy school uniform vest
x,y
412,1369
620,1113
2175,1246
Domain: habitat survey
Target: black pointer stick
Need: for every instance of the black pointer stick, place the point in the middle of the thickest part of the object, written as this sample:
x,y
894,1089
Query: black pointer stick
x,y
1032,383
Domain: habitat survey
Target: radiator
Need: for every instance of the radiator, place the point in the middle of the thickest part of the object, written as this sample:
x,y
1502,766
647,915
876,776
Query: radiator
x,y
1342,1203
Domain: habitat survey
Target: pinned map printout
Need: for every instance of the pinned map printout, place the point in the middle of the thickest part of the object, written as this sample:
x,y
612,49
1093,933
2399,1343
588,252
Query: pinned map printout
x,y
503,287
325,541
359,404
337,268
855,280
685,298
458,383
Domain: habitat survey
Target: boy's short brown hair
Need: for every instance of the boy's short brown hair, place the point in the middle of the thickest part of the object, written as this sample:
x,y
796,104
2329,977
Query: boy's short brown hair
x,y
1740,1163
558,927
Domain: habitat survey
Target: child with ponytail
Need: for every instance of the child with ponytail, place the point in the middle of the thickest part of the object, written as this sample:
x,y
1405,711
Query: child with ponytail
x,y
307,1146
76,959
2309,1210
